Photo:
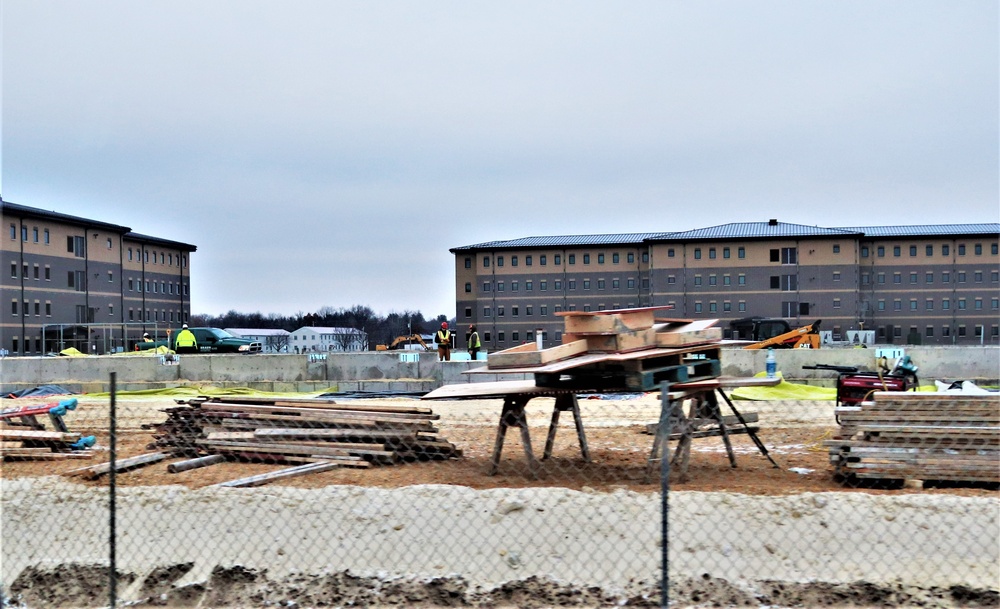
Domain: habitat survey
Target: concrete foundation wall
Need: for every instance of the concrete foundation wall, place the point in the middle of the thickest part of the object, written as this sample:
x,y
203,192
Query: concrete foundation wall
x,y
417,372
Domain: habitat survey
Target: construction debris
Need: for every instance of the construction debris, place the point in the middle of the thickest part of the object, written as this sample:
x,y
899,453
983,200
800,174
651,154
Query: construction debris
x,y
23,437
625,349
919,437
306,432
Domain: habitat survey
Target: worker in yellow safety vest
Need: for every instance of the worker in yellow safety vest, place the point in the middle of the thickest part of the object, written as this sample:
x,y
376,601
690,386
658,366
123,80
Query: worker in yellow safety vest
x,y
444,343
474,343
185,341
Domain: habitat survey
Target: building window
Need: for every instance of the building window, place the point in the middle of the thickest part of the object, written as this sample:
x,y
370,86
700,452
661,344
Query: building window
x,y
929,304
725,253
513,260
945,277
864,251
586,258
513,311
727,306
631,257
727,280
600,284
499,286
897,278
543,285
711,253
913,277
600,258
712,307
977,276
468,261
961,304
528,285
515,336
527,310
468,286
557,284
742,306
697,253
486,262
896,251
961,249
499,261
978,248
713,280
527,260
741,279
616,283
645,257
697,280
836,303
836,248
881,305
880,251
571,259
543,310
961,276
487,312
630,282
468,312
697,307
615,258
542,259
897,305
557,259
514,286
670,252
486,286
571,284
928,277
586,284
836,275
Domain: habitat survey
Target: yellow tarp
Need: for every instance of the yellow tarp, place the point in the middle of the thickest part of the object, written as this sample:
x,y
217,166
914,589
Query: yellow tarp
x,y
72,352
784,391
793,391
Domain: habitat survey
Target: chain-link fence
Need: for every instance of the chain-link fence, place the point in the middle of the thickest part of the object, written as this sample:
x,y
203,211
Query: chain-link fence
x,y
544,498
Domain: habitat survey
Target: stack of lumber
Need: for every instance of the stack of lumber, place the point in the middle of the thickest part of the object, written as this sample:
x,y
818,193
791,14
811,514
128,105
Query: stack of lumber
x,y
919,436
626,349
40,444
301,431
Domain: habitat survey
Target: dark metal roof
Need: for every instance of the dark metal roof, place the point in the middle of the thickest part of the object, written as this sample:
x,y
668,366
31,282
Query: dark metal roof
x,y
131,236
928,230
561,241
737,230
755,230
34,212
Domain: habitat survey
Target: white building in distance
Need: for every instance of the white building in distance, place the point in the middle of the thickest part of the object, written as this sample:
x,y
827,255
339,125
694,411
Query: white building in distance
x,y
316,339
273,340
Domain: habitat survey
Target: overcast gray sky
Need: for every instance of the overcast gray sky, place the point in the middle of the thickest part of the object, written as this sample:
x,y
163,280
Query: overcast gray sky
x,y
329,153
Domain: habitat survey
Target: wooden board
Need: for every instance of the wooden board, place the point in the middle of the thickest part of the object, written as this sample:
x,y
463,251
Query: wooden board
x,y
529,355
495,389
8,435
680,336
620,342
607,322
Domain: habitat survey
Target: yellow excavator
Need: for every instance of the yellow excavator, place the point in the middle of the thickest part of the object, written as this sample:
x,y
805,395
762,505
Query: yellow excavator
x,y
806,337
403,341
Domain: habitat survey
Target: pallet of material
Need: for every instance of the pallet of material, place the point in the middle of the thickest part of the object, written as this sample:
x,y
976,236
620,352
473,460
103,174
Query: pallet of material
x,y
924,436
265,430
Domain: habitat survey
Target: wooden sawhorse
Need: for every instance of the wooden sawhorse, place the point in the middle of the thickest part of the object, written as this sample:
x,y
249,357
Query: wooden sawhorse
x,y
513,415
704,410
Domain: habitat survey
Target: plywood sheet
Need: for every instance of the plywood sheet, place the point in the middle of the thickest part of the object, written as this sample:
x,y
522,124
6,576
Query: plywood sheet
x,y
529,355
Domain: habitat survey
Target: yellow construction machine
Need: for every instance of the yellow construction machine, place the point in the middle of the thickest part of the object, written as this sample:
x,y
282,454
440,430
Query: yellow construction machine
x,y
401,342
806,337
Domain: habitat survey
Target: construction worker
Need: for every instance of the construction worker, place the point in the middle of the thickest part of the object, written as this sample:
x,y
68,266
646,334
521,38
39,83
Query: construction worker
x,y
474,343
146,338
185,341
444,343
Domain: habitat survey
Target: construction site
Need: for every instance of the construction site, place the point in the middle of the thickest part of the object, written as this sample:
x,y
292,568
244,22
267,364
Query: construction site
x,y
531,479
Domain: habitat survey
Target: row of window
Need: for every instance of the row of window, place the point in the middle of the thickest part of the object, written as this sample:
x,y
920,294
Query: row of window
x,y
25,308
166,258
162,287
557,284
24,233
897,250
543,259
26,271
961,331
929,303
156,315
945,277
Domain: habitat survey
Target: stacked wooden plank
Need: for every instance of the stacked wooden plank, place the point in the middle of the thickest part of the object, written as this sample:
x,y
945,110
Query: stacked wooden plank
x,y
301,431
627,349
41,444
919,436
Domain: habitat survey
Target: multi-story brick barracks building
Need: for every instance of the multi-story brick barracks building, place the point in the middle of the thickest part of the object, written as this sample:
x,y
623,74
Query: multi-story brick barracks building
x,y
932,284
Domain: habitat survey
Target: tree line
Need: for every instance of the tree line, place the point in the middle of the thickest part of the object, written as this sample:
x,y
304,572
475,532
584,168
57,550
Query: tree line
x,y
379,329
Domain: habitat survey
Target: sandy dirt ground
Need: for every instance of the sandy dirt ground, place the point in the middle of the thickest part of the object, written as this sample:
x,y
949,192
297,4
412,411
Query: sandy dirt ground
x,y
444,533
